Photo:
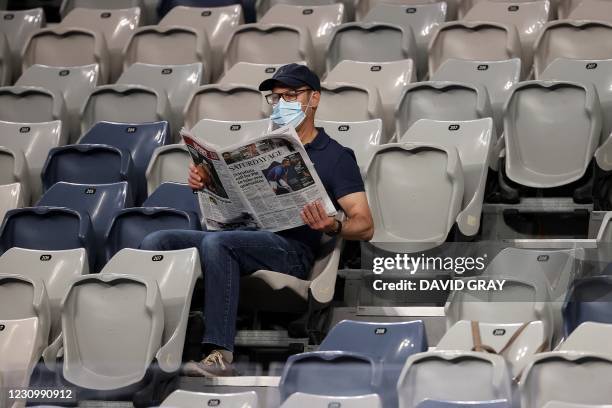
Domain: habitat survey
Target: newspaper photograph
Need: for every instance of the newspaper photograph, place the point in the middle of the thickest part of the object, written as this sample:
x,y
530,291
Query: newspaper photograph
x,y
262,184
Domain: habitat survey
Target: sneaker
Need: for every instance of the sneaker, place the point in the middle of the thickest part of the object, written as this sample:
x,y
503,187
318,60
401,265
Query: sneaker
x,y
214,365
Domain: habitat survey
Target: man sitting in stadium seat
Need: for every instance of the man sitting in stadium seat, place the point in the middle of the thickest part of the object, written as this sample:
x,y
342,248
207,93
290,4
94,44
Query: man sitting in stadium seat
x,y
228,255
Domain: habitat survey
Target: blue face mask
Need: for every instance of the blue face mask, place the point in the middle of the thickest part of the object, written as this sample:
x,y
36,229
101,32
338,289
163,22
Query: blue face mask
x,y
288,113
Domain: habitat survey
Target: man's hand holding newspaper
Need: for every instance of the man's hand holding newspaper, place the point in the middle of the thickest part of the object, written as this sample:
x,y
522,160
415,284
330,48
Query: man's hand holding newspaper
x,y
265,183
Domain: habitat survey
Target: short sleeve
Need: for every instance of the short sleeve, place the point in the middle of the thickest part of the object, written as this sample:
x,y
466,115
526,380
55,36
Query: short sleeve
x,y
346,178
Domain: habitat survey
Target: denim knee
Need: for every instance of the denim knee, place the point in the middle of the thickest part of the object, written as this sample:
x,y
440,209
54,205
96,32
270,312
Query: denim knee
x,y
153,241
214,246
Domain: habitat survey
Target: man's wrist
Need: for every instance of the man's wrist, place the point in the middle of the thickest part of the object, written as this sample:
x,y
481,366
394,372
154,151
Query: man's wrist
x,y
336,228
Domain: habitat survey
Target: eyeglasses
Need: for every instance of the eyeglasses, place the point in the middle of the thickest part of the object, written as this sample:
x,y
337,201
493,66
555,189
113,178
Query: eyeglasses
x,y
289,96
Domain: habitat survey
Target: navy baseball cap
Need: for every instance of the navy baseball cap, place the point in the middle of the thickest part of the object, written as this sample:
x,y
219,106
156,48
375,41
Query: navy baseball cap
x,y
293,76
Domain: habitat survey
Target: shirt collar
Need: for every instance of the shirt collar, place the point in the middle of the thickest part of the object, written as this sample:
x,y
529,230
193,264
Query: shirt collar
x,y
320,141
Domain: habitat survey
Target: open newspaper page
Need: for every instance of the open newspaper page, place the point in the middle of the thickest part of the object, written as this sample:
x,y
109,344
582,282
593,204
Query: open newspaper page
x,y
272,177
222,204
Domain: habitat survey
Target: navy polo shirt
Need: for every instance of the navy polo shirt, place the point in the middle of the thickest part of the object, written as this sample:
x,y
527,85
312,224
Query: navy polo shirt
x,y
339,173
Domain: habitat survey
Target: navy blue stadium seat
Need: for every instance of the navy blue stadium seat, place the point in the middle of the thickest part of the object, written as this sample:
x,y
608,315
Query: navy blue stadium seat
x,y
248,6
429,403
140,139
87,164
131,225
48,228
99,201
336,373
389,344
588,300
175,195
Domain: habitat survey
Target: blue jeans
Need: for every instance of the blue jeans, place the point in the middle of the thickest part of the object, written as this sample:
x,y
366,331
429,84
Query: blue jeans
x,y
225,256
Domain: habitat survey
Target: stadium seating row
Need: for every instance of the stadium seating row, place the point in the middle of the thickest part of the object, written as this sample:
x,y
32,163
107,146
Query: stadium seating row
x,y
50,301
534,114
317,35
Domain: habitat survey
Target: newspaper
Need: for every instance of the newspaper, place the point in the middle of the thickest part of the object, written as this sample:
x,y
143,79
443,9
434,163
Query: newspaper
x,y
262,184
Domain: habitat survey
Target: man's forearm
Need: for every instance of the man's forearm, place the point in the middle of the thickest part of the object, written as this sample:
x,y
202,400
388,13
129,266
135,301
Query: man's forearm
x,y
357,228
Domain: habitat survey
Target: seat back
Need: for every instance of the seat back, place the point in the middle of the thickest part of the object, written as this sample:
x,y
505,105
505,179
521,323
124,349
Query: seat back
x,y
328,373
474,141
299,399
140,140
168,45
588,300
221,102
187,399
596,72
24,306
67,47
476,41
517,301
87,164
100,202
388,344
389,78
124,103
48,228
250,74
367,5
319,21
516,342
73,83
265,5
110,350
431,403
528,18
24,297
19,352
30,104
176,273
268,44
225,133
11,196
168,164
566,376
540,114
361,137
343,102
14,169
69,5
571,39
440,101
116,25
176,81
361,42
592,10
453,376
131,225
497,77
558,268
17,26
217,22
589,337
421,19
55,269
175,195
413,222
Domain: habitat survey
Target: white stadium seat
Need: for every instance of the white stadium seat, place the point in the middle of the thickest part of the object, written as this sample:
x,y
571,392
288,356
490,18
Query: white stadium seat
x,y
189,399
